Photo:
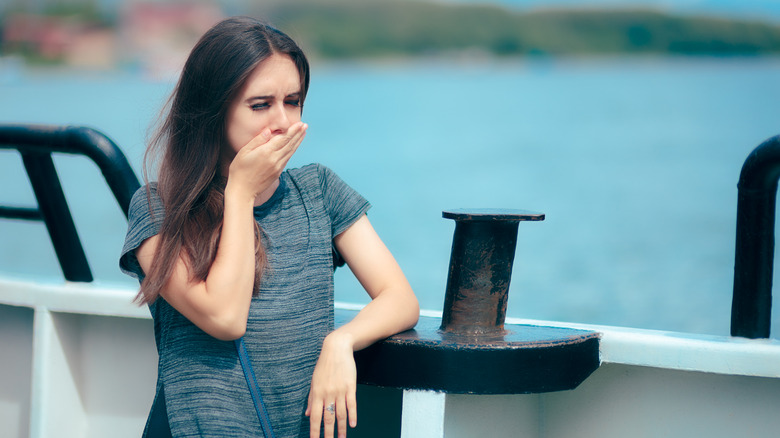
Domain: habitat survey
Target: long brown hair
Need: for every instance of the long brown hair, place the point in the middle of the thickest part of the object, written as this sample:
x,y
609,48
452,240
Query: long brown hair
x,y
191,137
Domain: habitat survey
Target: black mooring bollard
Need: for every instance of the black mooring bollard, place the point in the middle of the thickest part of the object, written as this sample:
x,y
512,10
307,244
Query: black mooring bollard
x,y
469,350
483,252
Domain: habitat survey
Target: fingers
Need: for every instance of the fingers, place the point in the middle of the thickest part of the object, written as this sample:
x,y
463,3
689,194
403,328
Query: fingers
x,y
315,419
293,136
329,419
352,409
338,413
341,417
280,148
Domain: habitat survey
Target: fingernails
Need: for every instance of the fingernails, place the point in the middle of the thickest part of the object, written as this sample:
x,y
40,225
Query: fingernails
x,y
266,133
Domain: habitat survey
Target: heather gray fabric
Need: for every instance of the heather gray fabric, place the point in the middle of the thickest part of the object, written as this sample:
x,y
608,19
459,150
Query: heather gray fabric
x,y
205,390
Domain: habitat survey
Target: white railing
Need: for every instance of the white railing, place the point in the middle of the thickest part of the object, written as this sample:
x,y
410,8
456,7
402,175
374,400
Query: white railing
x,y
78,360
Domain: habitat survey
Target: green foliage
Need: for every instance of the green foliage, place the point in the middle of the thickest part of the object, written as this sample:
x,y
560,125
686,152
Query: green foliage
x,y
371,28
396,28
82,10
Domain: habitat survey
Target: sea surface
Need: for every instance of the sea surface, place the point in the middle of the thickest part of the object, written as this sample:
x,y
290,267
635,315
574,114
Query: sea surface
x,y
634,162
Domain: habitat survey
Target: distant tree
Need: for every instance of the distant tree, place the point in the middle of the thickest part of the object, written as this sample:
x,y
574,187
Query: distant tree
x,y
370,28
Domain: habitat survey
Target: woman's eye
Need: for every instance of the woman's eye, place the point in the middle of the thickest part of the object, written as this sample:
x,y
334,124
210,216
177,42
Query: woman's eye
x,y
293,102
259,106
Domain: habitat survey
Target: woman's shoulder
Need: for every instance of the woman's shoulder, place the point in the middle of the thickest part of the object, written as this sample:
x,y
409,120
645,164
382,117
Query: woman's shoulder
x,y
327,183
143,221
308,175
314,172
312,169
145,200
145,190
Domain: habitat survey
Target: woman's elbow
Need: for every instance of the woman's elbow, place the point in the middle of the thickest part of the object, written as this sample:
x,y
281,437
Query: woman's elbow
x,y
412,311
227,329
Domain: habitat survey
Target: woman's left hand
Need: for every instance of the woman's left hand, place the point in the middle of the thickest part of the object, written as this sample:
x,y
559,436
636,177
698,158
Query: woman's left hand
x,y
333,383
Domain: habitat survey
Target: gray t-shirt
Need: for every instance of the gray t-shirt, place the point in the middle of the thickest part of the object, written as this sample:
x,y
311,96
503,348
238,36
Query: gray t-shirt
x,y
205,390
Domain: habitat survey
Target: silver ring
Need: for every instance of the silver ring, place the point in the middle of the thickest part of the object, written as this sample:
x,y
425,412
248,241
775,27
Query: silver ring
x,y
331,408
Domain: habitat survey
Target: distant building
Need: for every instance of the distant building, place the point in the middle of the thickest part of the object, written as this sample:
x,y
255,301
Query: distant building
x,y
160,35
65,40
155,37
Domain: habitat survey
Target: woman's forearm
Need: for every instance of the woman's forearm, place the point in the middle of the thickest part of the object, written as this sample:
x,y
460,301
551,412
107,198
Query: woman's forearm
x,y
218,305
392,311
231,278
393,307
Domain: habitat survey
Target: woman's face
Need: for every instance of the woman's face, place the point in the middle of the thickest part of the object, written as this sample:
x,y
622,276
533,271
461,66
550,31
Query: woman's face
x,y
271,98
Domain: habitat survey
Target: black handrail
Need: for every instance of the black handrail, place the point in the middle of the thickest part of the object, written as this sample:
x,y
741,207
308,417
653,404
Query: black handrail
x,y
36,143
751,306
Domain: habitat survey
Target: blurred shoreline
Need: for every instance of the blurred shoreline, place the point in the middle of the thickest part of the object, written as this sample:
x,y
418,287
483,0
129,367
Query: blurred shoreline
x,y
153,39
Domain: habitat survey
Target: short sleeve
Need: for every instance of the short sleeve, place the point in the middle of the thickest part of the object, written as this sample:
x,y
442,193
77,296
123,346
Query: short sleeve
x,y
143,221
344,205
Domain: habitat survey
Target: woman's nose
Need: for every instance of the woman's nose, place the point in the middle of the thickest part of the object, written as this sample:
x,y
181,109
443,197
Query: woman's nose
x,y
280,120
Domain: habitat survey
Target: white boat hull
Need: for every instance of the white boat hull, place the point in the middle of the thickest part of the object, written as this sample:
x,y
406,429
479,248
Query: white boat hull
x,y
79,361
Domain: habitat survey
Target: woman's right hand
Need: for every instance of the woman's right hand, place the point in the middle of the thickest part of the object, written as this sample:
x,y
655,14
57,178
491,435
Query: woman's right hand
x,y
257,166
219,305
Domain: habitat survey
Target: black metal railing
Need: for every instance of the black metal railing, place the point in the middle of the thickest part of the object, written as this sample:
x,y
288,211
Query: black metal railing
x,y
36,145
751,306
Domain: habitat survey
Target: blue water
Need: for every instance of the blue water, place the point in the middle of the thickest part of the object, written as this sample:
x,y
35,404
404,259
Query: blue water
x,y
633,161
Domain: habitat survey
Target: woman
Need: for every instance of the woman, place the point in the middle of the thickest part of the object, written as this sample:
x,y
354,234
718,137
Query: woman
x,y
227,244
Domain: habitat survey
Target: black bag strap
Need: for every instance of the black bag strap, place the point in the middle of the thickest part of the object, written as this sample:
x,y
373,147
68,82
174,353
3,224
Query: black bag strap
x,y
254,388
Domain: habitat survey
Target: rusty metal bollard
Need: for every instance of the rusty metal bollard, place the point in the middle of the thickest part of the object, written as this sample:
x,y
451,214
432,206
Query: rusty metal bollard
x,y
468,350
483,252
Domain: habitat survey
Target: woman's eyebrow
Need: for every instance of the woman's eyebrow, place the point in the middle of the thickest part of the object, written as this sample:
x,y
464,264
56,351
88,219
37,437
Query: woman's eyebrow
x,y
249,99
